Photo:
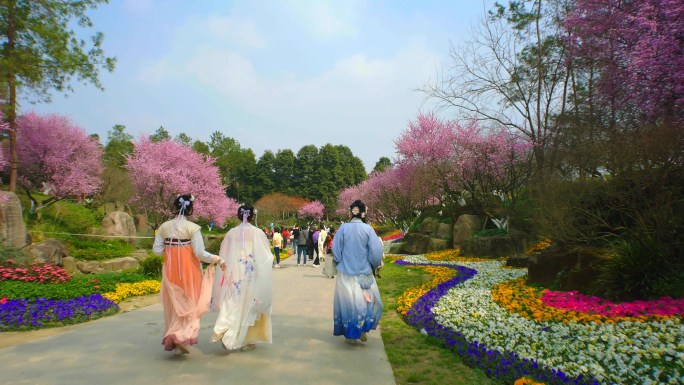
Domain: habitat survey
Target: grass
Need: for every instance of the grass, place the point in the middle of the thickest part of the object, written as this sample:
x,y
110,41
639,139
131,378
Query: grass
x,y
417,358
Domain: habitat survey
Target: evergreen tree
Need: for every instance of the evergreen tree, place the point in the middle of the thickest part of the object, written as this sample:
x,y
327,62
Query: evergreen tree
x,y
160,135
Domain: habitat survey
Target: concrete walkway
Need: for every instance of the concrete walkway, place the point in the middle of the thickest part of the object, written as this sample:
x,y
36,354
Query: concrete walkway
x,y
126,349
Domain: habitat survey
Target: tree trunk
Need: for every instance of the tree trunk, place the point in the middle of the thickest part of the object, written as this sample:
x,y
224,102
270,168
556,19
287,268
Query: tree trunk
x,y
12,113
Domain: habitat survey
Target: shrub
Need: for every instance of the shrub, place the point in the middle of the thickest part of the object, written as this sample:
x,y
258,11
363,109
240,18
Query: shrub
x,y
151,266
214,245
78,286
97,250
635,269
73,217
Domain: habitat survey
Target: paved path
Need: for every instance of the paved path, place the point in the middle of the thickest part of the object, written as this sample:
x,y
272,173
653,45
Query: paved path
x,y
126,349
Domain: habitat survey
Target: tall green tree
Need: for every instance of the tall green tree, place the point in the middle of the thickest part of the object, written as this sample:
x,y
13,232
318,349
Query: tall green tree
x,y
237,166
265,174
285,163
305,171
40,52
183,139
353,169
160,135
116,183
382,164
119,145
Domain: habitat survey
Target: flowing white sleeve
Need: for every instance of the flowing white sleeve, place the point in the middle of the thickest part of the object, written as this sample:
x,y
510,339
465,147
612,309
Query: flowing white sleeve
x,y
158,246
197,244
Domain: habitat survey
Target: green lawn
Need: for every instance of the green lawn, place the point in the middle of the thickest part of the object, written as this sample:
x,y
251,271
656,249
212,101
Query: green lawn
x,y
416,358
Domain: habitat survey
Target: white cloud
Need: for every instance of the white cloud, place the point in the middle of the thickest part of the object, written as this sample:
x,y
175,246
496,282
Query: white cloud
x,y
358,96
138,7
326,19
157,72
236,30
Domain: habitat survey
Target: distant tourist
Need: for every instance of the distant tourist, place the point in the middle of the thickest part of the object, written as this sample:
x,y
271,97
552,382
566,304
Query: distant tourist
x,y
242,294
302,241
184,292
277,246
357,252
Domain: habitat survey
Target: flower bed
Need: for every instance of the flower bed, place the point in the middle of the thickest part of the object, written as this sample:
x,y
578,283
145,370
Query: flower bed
x,y
508,346
45,296
44,273
127,290
393,236
22,314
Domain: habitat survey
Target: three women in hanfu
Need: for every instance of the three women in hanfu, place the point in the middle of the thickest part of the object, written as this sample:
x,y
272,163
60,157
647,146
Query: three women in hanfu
x,y
357,251
185,290
242,293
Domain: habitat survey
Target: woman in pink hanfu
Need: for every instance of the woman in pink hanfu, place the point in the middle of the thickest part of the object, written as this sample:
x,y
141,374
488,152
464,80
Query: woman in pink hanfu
x,y
242,294
185,290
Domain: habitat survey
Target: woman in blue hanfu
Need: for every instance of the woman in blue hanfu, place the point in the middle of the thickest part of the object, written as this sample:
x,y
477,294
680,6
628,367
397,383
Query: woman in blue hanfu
x,y
242,294
357,252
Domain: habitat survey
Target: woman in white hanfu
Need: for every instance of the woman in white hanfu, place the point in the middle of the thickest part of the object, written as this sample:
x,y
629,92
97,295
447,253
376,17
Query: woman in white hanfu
x,y
242,294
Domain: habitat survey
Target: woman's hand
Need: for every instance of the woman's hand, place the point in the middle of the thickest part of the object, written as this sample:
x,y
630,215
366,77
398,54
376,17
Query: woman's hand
x,y
220,262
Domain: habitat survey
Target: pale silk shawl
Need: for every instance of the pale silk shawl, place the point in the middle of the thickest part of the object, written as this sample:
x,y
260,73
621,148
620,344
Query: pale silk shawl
x,y
243,294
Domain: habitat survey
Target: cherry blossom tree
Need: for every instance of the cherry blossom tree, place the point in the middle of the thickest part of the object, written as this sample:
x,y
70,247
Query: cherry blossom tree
x,y
162,170
312,210
57,157
395,195
464,160
637,50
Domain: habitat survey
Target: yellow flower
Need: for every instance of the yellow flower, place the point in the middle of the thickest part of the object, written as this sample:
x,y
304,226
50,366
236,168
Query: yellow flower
x,y
126,290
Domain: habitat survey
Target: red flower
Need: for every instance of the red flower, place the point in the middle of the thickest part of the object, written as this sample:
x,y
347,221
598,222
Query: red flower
x,y
3,300
96,287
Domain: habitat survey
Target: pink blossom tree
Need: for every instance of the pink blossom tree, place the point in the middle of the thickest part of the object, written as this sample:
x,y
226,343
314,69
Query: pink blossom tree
x,y
635,47
312,210
162,170
58,157
464,160
395,195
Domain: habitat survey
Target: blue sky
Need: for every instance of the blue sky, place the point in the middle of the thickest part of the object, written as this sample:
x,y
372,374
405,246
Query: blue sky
x,y
271,74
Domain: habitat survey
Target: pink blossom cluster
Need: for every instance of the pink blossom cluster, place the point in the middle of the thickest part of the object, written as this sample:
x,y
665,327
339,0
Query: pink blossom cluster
x,y
55,152
572,300
637,47
312,210
162,170
36,273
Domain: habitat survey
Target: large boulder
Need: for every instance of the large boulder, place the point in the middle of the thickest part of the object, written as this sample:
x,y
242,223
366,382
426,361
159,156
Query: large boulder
x,y
575,269
464,228
444,231
12,227
49,251
70,264
428,226
416,243
437,244
119,264
89,267
119,224
396,248
496,246
141,222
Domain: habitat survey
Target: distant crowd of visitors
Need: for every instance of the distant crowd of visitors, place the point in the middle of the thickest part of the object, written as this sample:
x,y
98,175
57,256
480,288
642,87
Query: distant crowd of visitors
x,y
311,243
